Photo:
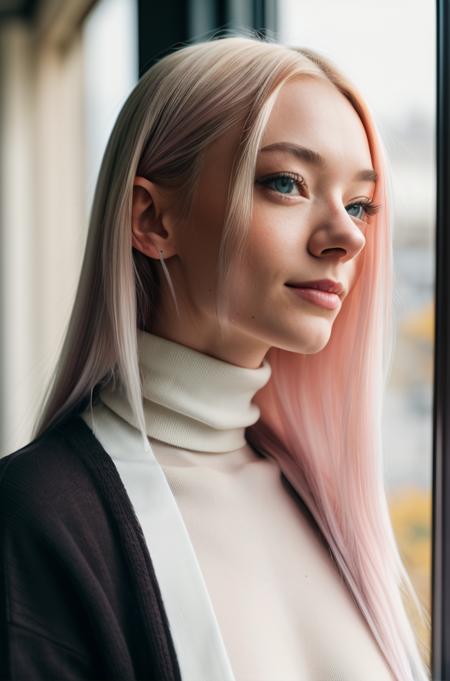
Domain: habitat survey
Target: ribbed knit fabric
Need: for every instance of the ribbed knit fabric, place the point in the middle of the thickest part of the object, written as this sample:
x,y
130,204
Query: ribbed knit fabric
x,y
191,399
284,611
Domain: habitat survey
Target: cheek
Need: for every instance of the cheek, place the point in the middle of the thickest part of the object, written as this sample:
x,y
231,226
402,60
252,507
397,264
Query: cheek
x,y
355,269
200,241
276,243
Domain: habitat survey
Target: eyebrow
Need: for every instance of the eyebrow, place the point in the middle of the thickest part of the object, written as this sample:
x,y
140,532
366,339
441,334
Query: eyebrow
x,y
314,158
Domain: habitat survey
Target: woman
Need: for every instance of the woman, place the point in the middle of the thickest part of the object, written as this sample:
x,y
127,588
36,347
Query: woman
x,y
203,497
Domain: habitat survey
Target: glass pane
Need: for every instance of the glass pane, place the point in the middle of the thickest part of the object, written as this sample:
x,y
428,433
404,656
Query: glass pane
x,y
393,66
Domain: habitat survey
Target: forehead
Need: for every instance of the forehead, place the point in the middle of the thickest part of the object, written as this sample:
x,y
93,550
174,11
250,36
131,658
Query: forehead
x,y
312,112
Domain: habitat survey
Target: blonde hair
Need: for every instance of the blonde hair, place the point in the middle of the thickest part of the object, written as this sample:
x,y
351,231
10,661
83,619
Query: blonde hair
x,y
320,414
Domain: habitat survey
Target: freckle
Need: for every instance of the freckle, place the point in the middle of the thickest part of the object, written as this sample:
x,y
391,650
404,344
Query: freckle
x,y
253,316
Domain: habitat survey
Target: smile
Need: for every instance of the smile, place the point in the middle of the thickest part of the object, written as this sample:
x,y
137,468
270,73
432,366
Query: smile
x,y
329,301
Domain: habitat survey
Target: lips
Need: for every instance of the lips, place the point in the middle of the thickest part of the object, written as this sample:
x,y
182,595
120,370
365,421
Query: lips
x,y
324,299
327,285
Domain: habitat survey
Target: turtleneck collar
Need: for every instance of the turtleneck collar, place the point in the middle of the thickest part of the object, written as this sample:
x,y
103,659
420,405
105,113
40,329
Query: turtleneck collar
x,y
191,400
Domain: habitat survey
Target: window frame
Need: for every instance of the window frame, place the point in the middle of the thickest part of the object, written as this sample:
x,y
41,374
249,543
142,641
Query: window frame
x,y
440,592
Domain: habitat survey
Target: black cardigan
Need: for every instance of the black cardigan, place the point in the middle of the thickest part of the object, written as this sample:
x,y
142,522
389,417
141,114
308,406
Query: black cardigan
x,y
79,598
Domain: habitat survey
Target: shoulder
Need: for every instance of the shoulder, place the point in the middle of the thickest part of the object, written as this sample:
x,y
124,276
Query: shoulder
x,y
54,508
48,472
56,548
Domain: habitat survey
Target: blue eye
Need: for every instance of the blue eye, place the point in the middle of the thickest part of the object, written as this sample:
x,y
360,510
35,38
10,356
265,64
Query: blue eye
x,y
367,207
284,183
360,207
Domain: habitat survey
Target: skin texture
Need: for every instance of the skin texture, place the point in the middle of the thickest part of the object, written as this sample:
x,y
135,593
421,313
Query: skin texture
x,y
297,233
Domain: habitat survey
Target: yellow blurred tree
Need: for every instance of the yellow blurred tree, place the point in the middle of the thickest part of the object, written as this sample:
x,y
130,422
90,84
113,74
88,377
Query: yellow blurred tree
x,y
411,512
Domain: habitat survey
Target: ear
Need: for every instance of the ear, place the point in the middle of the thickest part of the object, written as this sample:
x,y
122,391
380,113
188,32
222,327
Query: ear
x,y
149,234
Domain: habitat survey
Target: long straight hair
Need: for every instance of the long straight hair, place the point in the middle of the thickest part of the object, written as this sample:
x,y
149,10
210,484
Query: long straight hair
x,y
320,414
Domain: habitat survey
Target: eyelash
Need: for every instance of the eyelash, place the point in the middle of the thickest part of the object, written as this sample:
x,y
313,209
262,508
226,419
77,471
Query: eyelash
x,y
370,208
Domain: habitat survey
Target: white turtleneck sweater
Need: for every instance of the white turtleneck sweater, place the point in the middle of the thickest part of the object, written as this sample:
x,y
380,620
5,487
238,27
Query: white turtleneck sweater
x,y
283,611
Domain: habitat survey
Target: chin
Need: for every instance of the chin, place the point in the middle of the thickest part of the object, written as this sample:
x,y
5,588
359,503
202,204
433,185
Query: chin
x,y
317,341
306,344
318,348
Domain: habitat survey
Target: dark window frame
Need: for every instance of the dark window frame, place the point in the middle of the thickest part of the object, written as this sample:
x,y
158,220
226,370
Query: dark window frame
x,y
440,591
166,26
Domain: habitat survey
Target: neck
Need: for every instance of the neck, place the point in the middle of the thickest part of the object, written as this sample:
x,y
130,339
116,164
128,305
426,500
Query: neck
x,y
191,400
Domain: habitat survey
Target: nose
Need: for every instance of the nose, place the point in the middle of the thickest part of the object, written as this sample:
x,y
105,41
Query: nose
x,y
338,236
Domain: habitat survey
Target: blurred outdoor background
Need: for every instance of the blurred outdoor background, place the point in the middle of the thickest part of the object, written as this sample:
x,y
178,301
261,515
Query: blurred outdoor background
x,y
66,66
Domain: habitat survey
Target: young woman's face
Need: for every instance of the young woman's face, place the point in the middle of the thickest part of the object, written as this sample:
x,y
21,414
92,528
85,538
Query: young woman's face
x,y
308,223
